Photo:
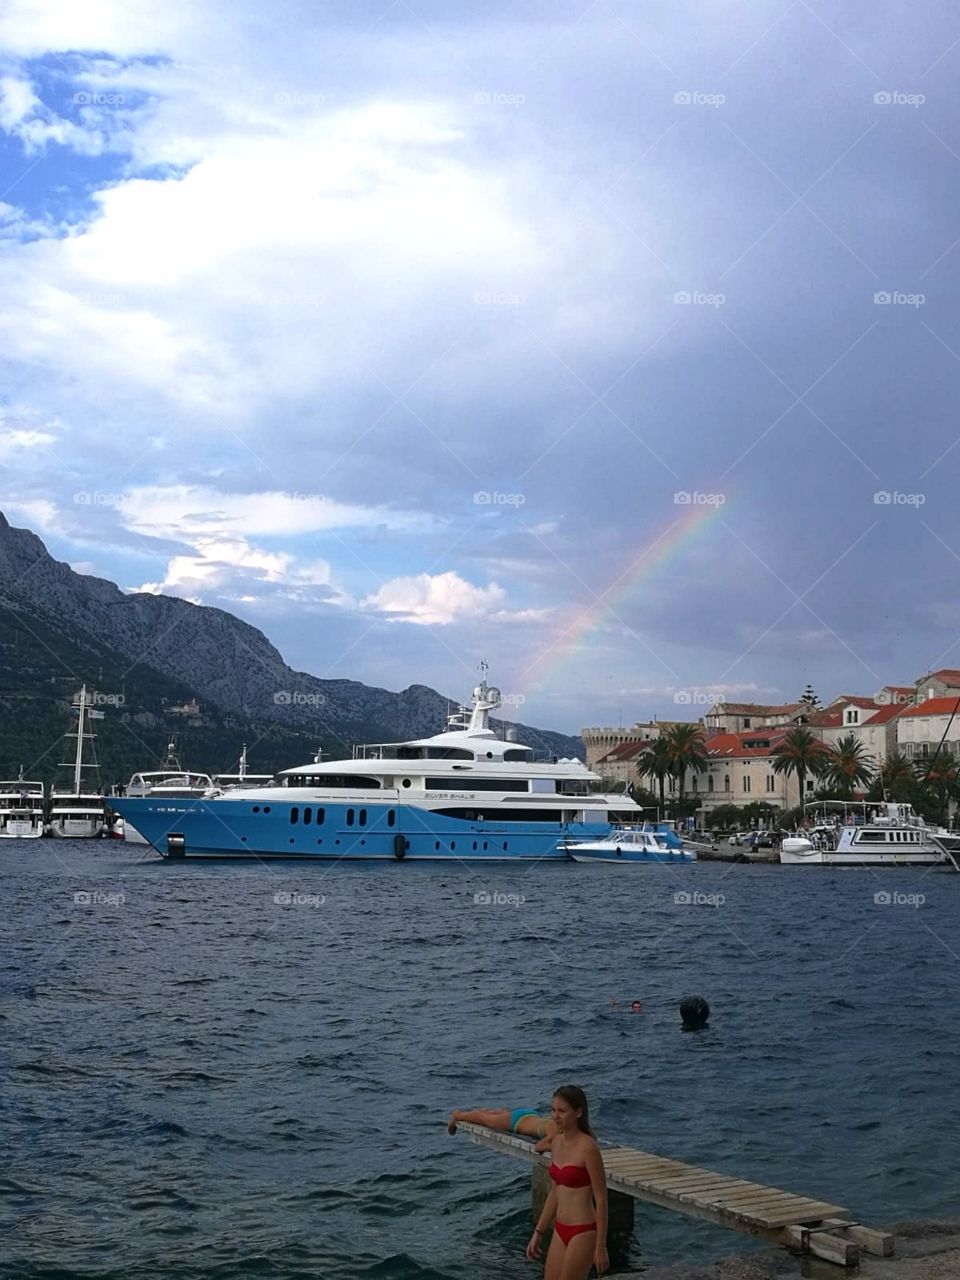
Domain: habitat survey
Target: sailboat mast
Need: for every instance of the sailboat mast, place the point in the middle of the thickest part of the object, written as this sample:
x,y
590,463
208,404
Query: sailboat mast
x,y
78,764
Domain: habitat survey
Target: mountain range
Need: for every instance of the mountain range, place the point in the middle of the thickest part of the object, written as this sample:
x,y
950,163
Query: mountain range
x,y
151,660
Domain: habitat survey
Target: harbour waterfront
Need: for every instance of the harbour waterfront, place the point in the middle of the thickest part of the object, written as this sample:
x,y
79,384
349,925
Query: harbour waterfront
x,y
214,1070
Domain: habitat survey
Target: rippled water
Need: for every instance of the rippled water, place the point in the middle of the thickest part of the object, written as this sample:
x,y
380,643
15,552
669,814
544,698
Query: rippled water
x,y
201,1082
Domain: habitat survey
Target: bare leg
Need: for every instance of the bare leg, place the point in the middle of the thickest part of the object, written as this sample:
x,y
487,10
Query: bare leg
x,y
578,1258
490,1118
555,1256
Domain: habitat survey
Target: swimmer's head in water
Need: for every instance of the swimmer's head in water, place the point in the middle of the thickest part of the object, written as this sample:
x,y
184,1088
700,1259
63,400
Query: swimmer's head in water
x,y
636,1006
570,1110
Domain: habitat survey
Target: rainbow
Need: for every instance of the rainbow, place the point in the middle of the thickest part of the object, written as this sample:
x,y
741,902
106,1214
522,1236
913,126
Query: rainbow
x,y
682,533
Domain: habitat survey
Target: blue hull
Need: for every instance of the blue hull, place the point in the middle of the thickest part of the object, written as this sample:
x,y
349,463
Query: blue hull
x,y
228,828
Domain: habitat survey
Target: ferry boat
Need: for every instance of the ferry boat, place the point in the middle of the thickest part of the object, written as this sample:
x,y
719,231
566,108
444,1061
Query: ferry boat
x,y
628,844
463,795
78,814
886,834
170,782
21,809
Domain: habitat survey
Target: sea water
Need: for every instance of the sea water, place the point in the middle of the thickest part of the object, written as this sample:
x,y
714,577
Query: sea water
x,y
216,1070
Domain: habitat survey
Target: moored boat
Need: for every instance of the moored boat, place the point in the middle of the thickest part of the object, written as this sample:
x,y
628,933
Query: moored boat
x,y
21,809
171,782
628,844
464,794
885,834
78,813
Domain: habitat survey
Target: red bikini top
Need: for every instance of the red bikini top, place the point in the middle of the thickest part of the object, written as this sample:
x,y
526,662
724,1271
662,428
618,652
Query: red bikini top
x,y
569,1175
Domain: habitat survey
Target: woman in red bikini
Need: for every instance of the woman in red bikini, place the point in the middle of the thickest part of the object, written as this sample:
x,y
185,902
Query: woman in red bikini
x,y
577,1203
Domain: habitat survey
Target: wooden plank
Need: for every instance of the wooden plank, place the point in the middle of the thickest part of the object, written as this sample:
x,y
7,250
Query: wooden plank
x,y
695,1181
881,1243
796,1217
833,1248
751,1196
618,1159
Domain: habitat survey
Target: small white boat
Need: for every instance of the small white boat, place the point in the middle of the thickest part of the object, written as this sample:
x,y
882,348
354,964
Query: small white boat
x,y
21,809
627,844
886,834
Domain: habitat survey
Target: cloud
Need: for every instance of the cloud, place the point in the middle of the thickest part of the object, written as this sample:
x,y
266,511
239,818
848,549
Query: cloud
x,y
23,441
442,598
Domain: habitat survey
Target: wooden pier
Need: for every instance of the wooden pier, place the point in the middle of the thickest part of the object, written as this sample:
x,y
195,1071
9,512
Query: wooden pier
x,y
799,1223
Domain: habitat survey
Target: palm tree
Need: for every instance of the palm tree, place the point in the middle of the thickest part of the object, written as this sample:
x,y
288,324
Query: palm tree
x,y
940,775
800,753
897,777
687,750
847,766
654,762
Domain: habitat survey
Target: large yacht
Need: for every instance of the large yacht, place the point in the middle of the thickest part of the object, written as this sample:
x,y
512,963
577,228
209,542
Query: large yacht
x,y
464,795
79,812
169,783
885,834
21,809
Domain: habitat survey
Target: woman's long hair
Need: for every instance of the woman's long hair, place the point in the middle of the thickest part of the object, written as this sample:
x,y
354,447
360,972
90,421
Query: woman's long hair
x,y
574,1096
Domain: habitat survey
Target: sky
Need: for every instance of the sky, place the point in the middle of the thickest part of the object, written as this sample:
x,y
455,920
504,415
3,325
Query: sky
x,y
615,344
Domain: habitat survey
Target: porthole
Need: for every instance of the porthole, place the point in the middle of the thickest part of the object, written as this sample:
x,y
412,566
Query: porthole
x,y
244,839
294,815
349,817
474,844
484,844
453,845
391,817
405,782
321,814
436,844
363,817
291,839
256,808
266,808
307,817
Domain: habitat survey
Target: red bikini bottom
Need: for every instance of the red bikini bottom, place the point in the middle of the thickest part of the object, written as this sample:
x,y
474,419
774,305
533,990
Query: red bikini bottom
x,y
566,1233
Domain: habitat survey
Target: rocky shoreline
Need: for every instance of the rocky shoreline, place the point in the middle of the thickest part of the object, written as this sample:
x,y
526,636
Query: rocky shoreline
x,y
926,1250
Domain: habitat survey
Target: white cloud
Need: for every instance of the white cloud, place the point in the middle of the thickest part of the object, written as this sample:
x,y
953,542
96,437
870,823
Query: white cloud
x,y
23,441
436,598
194,514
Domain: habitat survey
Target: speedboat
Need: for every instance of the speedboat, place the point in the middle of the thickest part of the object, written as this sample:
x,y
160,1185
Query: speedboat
x,y
464,795
628,844
886,834
21,809
77,813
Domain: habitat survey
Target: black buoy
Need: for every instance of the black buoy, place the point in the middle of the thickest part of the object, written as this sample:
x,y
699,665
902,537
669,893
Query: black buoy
x,y
399,846
694,1012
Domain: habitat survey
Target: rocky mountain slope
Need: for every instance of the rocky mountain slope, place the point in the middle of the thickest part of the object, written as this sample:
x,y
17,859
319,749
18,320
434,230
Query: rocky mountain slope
x,y
224,661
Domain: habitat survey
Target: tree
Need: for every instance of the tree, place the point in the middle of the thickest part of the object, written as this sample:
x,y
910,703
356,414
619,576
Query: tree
x,y
809,698
939,778
654,762
686,750
896,779
800,753
847,767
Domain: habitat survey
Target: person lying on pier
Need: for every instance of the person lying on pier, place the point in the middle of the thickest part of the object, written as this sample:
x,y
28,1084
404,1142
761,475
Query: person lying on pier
x,y
577,1203
520,1120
